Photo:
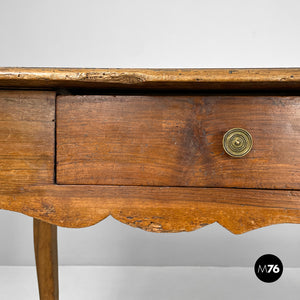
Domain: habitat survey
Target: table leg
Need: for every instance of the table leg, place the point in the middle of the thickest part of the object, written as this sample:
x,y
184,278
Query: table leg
x,y
45,246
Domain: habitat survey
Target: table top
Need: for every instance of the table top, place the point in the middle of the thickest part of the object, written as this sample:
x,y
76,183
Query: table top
x,y
160,79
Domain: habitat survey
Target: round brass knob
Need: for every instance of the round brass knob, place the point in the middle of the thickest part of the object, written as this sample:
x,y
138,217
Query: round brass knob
x,y
237,142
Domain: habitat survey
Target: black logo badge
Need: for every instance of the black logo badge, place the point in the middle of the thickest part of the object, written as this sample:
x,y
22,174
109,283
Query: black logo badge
x,y
268,268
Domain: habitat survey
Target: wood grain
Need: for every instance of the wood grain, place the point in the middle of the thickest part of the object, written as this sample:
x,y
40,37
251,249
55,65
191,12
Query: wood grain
x,y
26,139
27,163
45,246
177,141
157,209
151,79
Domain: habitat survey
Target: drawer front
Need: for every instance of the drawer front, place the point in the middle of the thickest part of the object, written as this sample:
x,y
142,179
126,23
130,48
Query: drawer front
x,y
177,141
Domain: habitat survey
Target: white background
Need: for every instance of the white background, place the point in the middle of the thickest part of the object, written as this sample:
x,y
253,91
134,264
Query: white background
x,y
150,34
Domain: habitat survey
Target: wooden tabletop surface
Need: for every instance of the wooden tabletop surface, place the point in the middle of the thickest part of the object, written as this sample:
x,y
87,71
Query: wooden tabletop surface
x,y
161,79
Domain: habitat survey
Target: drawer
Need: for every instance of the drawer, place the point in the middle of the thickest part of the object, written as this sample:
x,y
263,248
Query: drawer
x,y
177,141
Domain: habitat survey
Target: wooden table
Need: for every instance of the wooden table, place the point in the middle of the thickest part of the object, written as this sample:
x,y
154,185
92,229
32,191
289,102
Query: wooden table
x,y
146,147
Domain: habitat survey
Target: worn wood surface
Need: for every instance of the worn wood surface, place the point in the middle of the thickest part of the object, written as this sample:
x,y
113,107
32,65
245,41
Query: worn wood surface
x,y
177,141
26,139
45,246
157,209
191,79
27,165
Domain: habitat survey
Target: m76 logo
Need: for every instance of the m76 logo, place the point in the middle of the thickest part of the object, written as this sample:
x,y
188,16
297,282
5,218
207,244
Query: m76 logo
x,y
268,268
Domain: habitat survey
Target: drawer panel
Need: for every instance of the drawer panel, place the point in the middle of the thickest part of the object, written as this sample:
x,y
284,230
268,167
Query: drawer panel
x,y
177,141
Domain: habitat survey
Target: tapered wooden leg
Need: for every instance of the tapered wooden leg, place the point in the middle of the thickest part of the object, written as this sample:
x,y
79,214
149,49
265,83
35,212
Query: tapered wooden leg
x,y
45,246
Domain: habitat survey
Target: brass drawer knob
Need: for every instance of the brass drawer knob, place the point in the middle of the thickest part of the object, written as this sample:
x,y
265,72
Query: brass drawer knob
x,y
237,142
